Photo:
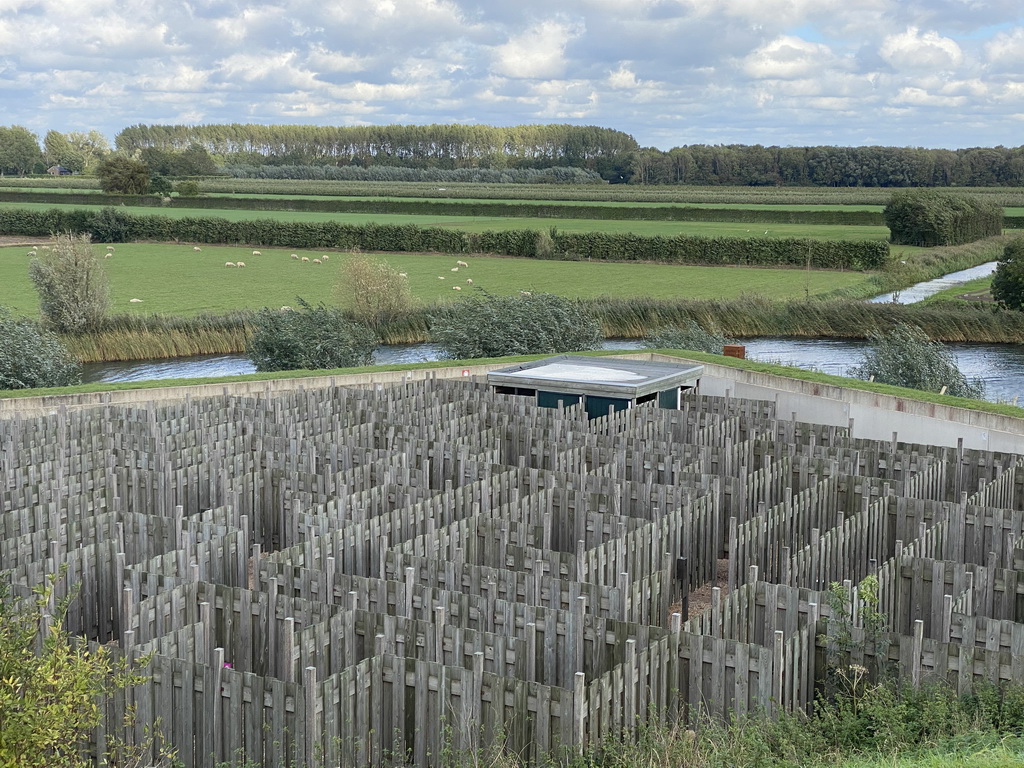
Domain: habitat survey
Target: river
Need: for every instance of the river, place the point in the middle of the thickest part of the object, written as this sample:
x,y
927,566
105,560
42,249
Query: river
x,y
999,366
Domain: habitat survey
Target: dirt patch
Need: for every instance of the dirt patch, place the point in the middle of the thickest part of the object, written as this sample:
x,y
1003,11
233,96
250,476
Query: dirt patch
x,y
700,598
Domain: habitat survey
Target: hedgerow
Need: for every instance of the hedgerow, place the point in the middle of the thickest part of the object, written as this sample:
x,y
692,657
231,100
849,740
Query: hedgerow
x,y
681,249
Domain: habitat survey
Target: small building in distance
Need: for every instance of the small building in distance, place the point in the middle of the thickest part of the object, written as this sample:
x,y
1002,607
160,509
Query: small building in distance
x,y
59,170
601,384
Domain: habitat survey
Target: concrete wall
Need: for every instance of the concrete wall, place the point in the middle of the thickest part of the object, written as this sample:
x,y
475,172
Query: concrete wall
x,y
873,416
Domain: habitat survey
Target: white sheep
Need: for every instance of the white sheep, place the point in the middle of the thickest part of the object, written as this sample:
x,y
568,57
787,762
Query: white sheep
x,y
286,309
110,247
455,269
469,280
456,287
256,253
134,301
325,257
525,293
440,278
230,264
317,261
462,263
107,255
196,248
295,256
305,259
240,264
402,274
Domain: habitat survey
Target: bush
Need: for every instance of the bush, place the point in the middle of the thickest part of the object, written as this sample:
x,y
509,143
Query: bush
x,y
1008,281
72,285
110,225
120,174
31,357
927,218
906,357
310,338
187,188
495,326
689,336
51,684
375,292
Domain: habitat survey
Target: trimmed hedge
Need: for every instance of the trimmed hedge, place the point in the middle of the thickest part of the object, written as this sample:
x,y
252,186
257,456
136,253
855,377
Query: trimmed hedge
x,y
927,218
752,215
113,225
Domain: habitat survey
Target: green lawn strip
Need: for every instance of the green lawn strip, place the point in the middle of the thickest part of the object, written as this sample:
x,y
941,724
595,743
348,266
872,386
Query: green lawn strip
x,y
499,223
176,279
980,752
1001,409
977,289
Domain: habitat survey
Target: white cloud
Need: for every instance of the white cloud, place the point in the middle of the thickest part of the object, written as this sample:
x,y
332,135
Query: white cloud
x,y
912,50
538,52
1006,50
623,78
789,57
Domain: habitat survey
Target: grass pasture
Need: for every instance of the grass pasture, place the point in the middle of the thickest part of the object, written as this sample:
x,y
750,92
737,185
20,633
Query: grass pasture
x,y
175,279
498,223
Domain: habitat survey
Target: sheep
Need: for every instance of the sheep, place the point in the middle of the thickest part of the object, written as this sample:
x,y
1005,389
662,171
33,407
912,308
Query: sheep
x,y
456,287
107,255
230,264
286,309
461,263
440,278
295,256
240,264
110,247
134,301
469,280
305,259
317,261
325,257
455,269
525,293
402,274
256,253
196,248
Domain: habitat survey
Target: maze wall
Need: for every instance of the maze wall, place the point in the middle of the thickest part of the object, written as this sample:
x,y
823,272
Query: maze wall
x,y
377,576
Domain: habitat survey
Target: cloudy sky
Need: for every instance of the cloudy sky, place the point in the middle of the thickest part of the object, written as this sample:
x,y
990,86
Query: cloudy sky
x,y
932,73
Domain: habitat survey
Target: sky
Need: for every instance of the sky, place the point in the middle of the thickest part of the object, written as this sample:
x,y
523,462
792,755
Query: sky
x,y
928,73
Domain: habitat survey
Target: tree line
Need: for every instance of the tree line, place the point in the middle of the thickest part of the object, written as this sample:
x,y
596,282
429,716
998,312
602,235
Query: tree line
x,y
305,151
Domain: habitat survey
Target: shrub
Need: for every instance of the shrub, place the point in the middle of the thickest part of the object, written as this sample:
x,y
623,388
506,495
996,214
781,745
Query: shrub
x,y
120,174
159,185
52,684
689,336
111,225
308,338
187,188
375,292
72,285
906,357
32,357
484,325
1008,281
927,218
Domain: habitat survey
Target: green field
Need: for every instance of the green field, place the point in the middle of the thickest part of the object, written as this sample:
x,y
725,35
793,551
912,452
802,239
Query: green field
x,y
175,279
498,223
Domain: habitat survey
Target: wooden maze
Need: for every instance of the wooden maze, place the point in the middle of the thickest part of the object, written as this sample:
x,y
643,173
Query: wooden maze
x,y
390,575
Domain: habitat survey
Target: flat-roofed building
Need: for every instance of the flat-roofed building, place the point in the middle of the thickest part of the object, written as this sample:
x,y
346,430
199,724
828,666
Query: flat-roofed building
x,y
601,384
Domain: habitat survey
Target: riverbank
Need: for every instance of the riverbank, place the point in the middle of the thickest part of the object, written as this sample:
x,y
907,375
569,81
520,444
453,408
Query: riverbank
x,y
838,314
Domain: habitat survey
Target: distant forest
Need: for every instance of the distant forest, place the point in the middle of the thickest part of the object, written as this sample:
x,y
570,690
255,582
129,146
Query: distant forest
x,y
612,154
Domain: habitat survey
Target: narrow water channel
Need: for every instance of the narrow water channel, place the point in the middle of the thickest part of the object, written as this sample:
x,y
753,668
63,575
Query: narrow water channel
x,y
922,291
1000,366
